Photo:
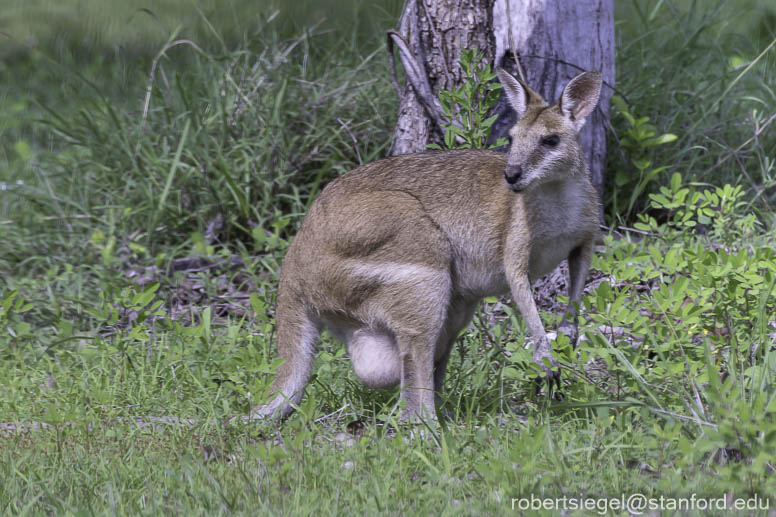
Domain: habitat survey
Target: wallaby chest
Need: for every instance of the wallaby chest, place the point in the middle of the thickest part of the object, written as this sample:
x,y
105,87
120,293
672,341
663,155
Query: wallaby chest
x,y
560,217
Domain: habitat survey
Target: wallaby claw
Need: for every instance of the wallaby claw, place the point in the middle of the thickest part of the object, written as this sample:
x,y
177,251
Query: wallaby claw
x,y
551,370
259,415
570,330
247,419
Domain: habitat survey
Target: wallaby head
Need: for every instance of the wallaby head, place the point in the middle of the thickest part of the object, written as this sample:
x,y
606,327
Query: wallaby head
x,y
545,142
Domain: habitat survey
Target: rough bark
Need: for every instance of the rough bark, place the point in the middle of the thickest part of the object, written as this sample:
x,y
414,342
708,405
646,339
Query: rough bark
x,y
436,31
554,39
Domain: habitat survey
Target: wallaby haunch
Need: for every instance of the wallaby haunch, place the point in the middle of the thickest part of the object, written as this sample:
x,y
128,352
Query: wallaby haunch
x,y
394,256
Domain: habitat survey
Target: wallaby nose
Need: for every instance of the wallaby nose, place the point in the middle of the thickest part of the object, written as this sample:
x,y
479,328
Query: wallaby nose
x,y
513,173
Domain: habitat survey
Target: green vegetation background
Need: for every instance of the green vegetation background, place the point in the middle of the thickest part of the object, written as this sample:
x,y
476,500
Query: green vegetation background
x,y
154,162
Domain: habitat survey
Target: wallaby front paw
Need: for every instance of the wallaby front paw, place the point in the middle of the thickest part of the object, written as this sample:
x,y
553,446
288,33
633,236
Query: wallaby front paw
x,y
571,330
248,419
549,365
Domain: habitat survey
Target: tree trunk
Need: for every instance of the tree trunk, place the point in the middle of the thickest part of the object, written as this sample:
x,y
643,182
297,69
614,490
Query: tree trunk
x,y
553,39
436,31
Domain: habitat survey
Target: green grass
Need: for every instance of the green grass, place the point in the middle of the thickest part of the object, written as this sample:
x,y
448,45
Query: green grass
x,y
629,414
104,183
94,27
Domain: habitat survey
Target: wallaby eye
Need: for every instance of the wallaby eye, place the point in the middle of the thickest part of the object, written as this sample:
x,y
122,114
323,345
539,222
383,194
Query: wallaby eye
x,y
551,141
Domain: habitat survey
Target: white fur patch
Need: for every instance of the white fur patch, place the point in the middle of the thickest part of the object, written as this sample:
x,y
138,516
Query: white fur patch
x,y
393,272
375,357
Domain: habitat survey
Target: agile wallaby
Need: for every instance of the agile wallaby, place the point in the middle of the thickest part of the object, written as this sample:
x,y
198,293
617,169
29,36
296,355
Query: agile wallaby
x,y
394,256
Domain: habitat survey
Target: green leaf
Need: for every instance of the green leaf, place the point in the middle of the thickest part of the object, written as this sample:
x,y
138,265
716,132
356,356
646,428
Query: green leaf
x,y
737,62
144,298
8,300
676,182
449,139
663,139
641,164
489,121
23,150
176,162
258,305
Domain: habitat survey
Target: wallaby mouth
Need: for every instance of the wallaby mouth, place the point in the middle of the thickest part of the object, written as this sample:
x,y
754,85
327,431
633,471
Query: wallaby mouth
x,y
514,177
516,187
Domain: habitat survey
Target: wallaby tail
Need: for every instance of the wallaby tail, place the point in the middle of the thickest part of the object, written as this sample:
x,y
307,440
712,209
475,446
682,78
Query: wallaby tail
x,y
297,337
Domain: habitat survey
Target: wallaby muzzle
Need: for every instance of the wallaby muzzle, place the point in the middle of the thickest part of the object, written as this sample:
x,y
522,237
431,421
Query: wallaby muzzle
x,y
512,174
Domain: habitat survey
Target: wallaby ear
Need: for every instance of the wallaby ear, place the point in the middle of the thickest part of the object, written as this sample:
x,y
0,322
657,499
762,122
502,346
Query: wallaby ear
x,y
580,96
518,95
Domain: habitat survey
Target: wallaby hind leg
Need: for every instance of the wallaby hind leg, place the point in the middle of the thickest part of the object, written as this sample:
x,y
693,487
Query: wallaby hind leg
x,y
458,317
417,315
416,306
417,377
418,333
297,336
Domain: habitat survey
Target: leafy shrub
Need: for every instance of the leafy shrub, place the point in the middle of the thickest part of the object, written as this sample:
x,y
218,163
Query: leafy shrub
x,y
467,106
684,328
636,139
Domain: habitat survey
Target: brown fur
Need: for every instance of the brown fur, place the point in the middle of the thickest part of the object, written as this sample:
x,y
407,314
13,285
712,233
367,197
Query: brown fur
x,y
394,256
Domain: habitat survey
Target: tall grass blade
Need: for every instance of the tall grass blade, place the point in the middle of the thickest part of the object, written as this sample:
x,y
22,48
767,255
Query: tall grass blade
x,y
170,176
